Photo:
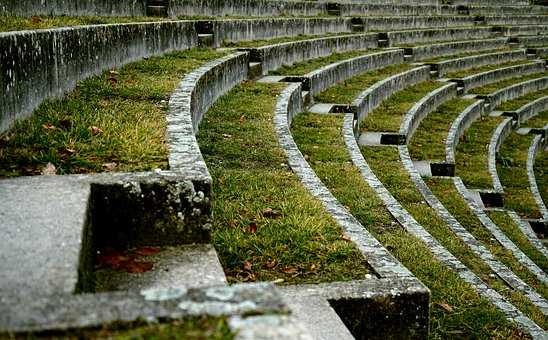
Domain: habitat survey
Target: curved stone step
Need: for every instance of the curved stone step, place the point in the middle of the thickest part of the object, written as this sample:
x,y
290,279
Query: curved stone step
x,y
536,145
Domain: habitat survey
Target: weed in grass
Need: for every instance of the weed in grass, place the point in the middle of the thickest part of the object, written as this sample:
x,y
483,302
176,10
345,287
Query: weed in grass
x,y
428,142
383,161
389,115
303,243
319,138
471,158
115,118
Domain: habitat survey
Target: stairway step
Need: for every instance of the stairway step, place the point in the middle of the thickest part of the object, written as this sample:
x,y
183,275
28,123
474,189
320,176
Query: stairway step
x,y
206,40
157,11
187,266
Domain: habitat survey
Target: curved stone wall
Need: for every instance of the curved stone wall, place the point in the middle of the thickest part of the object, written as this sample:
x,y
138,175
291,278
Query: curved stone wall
x,y
71,7
517,90
450,48
35,65
429,35
452,65
459,125
489,77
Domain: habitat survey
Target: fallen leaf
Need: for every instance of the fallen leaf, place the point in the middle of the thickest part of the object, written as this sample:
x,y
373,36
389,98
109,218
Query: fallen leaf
x,y
109,166
49,169
48,126
137,266
446,307
313,267
112,259
68,151
271,213
147,251
271,264
242,119
247,265
112,77
35,19
95,130
346,238
252,228
290,270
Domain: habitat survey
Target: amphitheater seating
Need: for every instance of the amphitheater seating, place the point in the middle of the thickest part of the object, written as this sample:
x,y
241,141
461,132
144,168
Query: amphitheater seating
x,y
356,169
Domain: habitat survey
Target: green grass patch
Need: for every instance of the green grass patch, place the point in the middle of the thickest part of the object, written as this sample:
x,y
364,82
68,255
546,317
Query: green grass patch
x,y
390,113
115,121
507,225
512,171
447,193
488,89
463,55
486,68
319,138
428,142
301,242
471,157
538,121
304,67
515,104
347,91
387,166
17,23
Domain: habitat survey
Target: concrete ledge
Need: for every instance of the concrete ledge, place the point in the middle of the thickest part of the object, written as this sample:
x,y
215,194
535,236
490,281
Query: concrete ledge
x,y
529,110
498,9
489,77
524,30
491,2
429,35
413,22
516,20
75,8
536,146
371,98
533,40
514,91
502,131
459,125
526,229
448,66
422,108
539,51
450,48
324,77
274,56
42,64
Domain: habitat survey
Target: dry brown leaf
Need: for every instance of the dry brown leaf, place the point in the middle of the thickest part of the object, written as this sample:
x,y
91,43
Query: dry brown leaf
x,y
290,270
242,119
48,126
252,228
35,19
446,307
147,251
346,238
109,166
271,264
247,265
49,169
95,130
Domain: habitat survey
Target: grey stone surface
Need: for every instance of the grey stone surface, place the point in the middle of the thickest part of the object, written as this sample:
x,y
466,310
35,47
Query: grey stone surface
x,y
42,235
525,30
535,147
62,312
274,56
423,167
526,229
187,266
372,97
533,40
517,90
458,64
516,20
530,110
423,107
475,245
441,254
459,126
269,327
485,78
329,75
498,9
370,138
539,51
427,36
502,131
450,48
414,22
36,65
67,7
498,234
491,2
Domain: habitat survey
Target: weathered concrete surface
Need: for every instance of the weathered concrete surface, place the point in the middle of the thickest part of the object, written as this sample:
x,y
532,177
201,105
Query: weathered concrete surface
x,y
62,312
524,30
255,8
491,2
437,35
413,22
324,77
459,126
452,65
274,56
187,266
534,149
498,9
255,29
35,65
529,110
502,131
533,40
450,48
517,90
516,20
371,98
489,77
42,235
423,107
75,8
269,327
539,51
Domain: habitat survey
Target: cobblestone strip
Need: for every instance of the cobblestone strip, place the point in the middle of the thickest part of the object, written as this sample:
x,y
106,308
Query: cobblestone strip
x,y
460,124
444,256
528,232
289,104
499,135
476,246
497,233
532,153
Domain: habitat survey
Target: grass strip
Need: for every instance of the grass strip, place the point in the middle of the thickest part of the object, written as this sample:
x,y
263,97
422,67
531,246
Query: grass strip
x,y
515,104
538,121
115,121
470,316
428,142
512,171
446,192
387,166
486,68
267,227
488,89
471,157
